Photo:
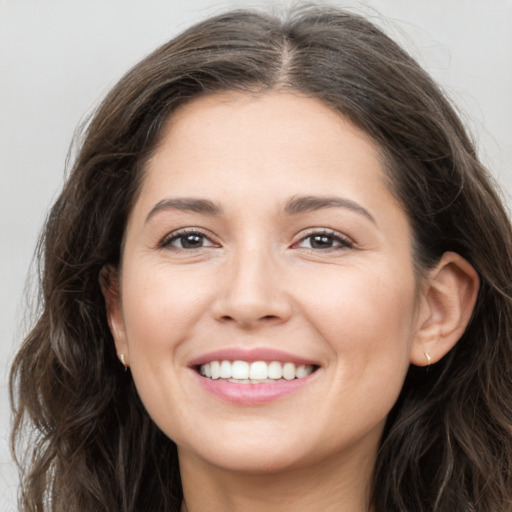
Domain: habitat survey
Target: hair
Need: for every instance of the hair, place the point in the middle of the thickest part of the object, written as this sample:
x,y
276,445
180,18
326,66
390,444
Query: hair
x,y
91,446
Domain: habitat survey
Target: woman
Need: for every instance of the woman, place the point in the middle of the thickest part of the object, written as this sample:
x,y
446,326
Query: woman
x,y
277,278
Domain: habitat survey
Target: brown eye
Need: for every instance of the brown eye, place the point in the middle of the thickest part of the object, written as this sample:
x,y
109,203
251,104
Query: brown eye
x,y
187,240
324,241
321,241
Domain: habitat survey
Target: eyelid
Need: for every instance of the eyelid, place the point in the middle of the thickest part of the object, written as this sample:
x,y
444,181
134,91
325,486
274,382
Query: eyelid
x,y
165,242
345,240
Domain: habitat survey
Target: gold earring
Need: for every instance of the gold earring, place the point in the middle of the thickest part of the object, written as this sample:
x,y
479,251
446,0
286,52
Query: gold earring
x,y
121,356
427,355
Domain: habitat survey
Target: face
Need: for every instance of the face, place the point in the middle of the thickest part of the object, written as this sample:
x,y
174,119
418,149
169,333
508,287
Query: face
x,y
267,301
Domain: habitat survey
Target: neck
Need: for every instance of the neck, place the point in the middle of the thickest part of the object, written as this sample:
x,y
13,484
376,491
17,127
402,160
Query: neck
x,y
331,486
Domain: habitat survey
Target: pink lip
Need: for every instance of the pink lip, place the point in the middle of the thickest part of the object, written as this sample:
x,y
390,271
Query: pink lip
x,y
250,355
252,394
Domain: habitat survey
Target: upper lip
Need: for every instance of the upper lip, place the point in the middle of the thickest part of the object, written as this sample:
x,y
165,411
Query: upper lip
x,y
250,355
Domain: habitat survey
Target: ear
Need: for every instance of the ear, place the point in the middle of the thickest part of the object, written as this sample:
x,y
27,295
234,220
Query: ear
x,y
110,287
448,299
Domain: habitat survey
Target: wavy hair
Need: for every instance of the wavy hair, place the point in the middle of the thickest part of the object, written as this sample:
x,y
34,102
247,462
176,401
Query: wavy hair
x,y
81,436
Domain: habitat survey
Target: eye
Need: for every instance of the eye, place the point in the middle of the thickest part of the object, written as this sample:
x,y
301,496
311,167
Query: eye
x,y
324,240
188,239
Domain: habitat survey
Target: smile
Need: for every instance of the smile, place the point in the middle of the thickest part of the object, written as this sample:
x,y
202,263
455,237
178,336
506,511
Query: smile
x,y
255,376
255,372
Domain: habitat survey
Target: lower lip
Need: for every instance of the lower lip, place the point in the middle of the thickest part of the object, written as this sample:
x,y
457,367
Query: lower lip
x,y
252,394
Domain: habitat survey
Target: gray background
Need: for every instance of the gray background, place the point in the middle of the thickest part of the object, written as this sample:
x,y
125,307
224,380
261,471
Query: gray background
x,y
59,58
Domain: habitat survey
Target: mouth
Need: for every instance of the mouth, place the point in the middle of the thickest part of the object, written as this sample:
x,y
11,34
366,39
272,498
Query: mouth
x,y
254,372
253,377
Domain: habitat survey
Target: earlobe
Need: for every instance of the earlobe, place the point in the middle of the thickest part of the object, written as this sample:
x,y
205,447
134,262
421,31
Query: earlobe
x,y
110,287
448,300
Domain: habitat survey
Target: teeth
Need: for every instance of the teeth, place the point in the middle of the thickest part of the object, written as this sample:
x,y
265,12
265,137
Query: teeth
x,y
275,370
239,370
288,371
215,369
258,371
243,372
225,370
301,371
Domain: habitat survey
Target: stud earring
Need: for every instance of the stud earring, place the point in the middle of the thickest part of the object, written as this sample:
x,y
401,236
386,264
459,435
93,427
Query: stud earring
x,y
121,356
427,355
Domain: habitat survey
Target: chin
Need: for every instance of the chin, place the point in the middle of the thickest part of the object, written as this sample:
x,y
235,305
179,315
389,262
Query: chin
x,y
262,460
256,449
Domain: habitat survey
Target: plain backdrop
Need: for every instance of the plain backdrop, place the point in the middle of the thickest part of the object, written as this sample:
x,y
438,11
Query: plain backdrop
x,y
59,58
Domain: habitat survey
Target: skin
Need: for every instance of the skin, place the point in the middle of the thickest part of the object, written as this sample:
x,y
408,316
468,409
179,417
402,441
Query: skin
x,y
256,279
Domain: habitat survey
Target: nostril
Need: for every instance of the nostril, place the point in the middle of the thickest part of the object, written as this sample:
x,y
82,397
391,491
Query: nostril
x,y
248,321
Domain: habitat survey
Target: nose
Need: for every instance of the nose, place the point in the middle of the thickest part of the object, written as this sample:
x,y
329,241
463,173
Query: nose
x,y
252,291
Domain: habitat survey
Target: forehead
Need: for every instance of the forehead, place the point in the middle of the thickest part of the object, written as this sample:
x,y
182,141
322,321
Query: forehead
x,y
263,137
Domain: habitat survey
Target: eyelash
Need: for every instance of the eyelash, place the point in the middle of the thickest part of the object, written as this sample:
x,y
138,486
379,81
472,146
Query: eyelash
x,y
182,233
343,241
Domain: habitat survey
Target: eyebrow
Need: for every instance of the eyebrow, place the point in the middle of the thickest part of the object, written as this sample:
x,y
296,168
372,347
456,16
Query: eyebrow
x,y
186,204
294,206
297,205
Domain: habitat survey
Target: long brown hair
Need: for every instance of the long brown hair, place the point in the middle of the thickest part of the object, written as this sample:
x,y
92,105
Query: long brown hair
x,y
89,443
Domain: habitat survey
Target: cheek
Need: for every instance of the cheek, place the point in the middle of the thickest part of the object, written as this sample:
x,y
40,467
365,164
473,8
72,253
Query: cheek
x,y
161,309
367,319
360,303
160,306
368,326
